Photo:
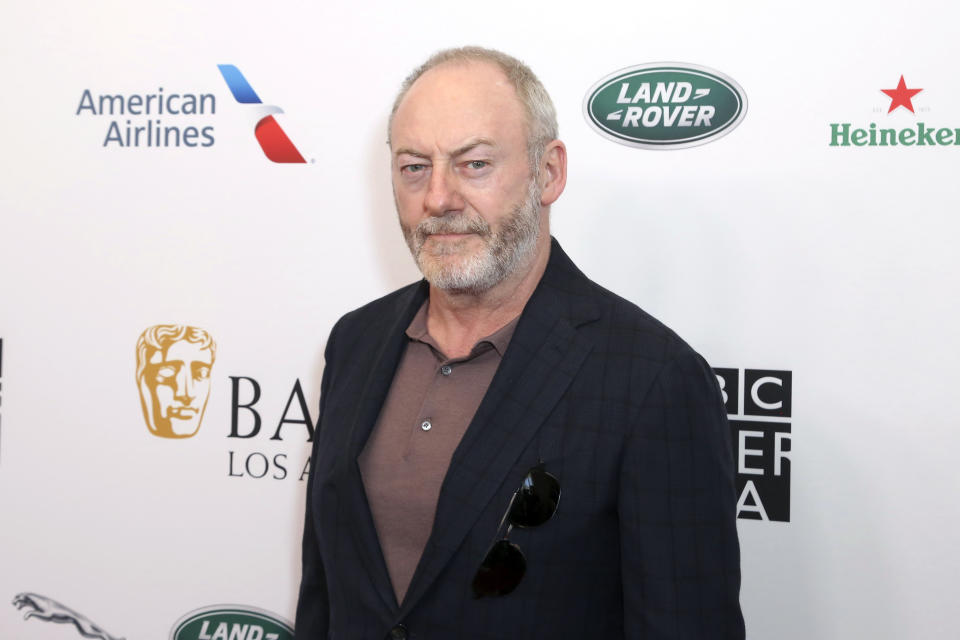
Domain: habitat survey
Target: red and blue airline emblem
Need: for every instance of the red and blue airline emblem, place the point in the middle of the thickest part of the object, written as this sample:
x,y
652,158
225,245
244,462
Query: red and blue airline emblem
x,y
274,142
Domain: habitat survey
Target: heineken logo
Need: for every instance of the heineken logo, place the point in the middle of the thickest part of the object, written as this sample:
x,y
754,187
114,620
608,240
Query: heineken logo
x,y
231,622
901,96
887,133
665,105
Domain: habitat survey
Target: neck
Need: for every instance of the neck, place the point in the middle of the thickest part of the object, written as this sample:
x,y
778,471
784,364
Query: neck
x,y
458,319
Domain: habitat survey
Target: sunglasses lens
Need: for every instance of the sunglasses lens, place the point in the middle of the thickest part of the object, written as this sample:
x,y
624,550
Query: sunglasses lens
x,y
501,571
536,499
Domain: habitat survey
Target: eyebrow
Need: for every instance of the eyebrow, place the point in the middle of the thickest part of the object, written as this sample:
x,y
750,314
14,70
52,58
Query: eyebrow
x,y
469,146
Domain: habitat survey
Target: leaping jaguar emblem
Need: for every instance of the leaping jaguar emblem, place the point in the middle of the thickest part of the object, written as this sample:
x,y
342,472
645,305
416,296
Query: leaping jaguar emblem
x,y
44,608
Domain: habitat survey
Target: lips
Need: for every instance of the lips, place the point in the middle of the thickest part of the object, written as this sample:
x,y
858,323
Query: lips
x,y
449,235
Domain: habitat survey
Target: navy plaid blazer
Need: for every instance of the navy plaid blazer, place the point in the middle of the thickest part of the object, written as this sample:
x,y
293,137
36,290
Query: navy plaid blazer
x,y
622,411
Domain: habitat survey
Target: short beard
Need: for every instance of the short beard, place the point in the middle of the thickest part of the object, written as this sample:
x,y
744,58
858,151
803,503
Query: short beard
x,y
505,251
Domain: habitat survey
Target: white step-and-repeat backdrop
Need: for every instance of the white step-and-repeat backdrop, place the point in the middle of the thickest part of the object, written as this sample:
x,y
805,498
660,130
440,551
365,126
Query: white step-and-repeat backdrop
x,y
212,179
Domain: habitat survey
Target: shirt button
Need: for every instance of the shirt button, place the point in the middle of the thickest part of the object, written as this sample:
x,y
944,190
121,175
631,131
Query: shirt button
x,y
425,425
399,632
446,369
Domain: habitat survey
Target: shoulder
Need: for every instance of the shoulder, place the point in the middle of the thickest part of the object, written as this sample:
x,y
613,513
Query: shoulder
x,y
630,344
387,307
375,318
615,324
622,324
668,391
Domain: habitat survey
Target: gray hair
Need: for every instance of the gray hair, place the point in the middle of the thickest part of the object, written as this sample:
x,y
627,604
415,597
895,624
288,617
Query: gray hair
x,y
541,116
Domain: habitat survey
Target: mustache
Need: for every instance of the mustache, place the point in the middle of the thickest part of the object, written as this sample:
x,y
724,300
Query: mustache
x,y
453,223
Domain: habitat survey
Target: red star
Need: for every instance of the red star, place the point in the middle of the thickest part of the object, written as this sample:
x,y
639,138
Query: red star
x,y
900,97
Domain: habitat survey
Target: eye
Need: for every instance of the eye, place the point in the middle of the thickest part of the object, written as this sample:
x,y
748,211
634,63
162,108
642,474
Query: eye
x,y
477,164
201,372
164,373
413,168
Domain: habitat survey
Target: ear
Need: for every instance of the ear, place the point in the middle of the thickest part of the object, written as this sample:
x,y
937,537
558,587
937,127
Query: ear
x,y
553,172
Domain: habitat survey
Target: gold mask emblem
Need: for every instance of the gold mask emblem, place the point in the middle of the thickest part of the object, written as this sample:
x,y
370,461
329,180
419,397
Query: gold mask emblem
x,y
173,376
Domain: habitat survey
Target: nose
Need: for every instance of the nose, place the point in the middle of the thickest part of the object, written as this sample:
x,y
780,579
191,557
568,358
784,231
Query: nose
x,y
184,392
443,195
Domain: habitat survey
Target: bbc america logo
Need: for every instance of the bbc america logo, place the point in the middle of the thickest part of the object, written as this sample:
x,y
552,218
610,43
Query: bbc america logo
x,y
759,409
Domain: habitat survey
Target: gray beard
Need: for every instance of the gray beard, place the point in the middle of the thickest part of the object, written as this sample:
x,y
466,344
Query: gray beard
x,y
505,252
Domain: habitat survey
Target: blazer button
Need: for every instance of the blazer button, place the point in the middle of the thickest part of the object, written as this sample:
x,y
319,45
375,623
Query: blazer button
x,y
399,632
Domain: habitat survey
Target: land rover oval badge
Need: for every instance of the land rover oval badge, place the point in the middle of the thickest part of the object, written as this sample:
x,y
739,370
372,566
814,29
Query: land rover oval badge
x,y
231,622
665,105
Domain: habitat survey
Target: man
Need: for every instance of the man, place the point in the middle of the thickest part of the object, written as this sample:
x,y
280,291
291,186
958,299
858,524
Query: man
x,y
173,376
507,366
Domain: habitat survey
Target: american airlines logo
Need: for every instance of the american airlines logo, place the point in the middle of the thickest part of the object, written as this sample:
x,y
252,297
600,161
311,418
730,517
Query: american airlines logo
x,y
275,143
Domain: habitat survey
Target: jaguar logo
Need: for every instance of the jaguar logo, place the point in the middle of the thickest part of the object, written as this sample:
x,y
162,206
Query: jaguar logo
x,y
44,608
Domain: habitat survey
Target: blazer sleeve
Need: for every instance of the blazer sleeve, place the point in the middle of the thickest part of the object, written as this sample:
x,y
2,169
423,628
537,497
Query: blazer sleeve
x,y
313,605
680,557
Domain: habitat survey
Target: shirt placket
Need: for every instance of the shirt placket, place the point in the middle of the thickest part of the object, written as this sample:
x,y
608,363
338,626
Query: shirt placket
x,y
432,414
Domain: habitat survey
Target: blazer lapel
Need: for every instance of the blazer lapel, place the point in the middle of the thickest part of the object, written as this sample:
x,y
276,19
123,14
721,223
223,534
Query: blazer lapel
x,y
384,365
371,393
544,355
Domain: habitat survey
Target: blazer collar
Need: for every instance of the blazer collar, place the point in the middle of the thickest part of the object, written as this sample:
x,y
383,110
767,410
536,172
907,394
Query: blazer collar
x,y
543,357
346,478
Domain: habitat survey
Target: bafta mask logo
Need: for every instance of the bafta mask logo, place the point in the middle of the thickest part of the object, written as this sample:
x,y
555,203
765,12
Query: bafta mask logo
x,y
173,376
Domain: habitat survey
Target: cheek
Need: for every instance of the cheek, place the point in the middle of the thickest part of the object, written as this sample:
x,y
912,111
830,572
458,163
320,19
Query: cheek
x,y
408,207
497,196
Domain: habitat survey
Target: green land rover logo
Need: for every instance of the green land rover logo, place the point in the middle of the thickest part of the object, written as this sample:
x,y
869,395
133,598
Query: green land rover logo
x,y
231,622
665,105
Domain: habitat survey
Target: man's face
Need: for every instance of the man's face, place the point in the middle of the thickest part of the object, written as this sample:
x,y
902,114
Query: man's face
x,y
468,205
177,380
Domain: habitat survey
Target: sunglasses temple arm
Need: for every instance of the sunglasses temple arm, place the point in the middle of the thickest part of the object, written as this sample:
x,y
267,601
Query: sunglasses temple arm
x,y
504,519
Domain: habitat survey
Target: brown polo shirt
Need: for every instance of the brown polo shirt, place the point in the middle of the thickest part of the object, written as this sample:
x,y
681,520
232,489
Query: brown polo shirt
x,y
429,406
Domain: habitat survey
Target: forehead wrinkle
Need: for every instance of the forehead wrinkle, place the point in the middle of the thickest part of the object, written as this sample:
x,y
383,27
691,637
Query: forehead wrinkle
x,y
473,144
467,147
405,151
